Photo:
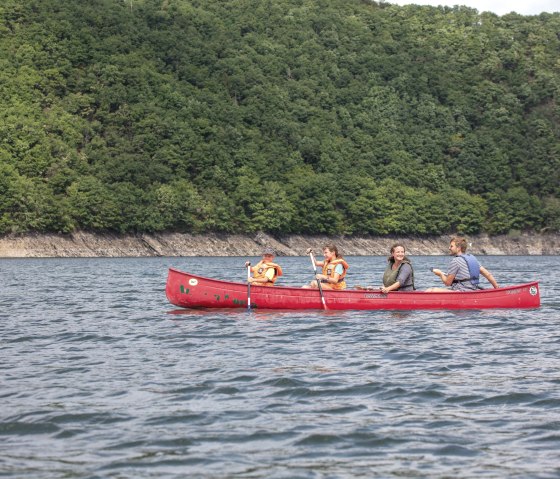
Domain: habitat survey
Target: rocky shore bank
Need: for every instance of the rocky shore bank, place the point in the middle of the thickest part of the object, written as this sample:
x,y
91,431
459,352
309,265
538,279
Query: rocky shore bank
x,y
82,244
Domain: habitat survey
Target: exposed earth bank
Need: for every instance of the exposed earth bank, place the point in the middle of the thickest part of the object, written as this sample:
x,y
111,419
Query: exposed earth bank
x,y
82,244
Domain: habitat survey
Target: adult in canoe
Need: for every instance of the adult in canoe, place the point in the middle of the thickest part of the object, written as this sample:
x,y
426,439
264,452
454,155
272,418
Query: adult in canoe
x,y
334,269
265,272
399,274
463,273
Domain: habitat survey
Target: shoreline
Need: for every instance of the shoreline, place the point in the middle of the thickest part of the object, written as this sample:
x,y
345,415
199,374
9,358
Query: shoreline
x,y
88,245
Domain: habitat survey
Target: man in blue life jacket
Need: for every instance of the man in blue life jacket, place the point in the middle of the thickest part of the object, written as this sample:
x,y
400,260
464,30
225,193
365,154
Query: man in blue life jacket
x,y
463,273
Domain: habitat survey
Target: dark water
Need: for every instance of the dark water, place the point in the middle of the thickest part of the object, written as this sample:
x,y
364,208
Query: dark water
x,y
102,378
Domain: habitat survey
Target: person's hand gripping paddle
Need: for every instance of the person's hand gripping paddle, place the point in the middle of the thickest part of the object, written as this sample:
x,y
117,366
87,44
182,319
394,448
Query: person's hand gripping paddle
x,y
310,252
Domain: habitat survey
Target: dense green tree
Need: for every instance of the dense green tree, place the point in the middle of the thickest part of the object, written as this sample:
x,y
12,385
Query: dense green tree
x,y
292,116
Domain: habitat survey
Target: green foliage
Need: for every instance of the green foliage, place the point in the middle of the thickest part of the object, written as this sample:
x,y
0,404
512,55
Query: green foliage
x,y
551,214
516,210
91,204
293,116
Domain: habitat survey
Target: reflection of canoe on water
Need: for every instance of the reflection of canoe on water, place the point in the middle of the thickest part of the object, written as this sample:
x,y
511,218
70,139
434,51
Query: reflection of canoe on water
x,y
191,291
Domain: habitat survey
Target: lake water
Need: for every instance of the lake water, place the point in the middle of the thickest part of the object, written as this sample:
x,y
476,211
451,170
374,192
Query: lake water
x,y
102,378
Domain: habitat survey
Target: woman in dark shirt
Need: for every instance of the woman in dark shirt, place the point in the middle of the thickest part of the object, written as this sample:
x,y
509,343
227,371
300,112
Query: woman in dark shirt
x,y
399,275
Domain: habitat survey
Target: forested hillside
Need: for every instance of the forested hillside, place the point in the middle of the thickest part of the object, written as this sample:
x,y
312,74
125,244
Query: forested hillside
x,y
287,116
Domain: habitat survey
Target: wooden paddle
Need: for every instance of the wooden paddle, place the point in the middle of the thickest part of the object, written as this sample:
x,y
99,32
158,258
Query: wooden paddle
x,y
310,251
248,266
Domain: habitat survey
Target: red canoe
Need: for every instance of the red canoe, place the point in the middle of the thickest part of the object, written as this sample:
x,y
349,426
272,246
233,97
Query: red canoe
x,y
190,291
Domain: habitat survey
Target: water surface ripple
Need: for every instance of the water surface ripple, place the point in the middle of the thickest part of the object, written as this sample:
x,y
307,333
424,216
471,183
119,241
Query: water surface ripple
x,y
102,377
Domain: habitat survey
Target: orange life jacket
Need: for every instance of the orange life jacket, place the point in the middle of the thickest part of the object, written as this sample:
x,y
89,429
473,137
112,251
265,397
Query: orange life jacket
x,y
260,269
328,269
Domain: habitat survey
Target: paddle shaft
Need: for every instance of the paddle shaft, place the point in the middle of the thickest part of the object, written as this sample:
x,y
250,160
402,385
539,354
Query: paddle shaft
x,y
318,280
248,287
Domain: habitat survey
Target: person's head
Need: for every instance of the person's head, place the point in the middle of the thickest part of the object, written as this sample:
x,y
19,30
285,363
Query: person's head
x,y
268,254
330,251
457,245
397,252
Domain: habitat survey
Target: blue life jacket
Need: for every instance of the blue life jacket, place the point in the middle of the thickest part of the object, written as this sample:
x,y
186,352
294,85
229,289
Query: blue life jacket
x,y
474,269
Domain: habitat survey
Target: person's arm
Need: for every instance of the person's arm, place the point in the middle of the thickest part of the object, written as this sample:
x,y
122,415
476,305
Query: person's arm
x,y
395,285
317,262
447,279
452,271
484,272
320,276
270,273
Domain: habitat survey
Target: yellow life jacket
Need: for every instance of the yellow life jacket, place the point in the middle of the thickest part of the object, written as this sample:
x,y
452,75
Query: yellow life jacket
x,y
328,270
260,269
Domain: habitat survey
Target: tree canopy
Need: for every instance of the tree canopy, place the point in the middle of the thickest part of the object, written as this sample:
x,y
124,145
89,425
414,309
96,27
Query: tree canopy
x,y
292,116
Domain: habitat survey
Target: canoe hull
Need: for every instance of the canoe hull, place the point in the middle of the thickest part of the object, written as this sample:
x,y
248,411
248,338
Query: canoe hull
x,y
191,291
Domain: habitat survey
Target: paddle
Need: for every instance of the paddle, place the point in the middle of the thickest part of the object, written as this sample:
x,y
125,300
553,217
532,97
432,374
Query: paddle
x,y
310,251
248,266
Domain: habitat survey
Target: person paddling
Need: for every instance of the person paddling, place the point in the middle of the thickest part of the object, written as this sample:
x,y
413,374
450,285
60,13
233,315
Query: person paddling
x,y
265,272
334,270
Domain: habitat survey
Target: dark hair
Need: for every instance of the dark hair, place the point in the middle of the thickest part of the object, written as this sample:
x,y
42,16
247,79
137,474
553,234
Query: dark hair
x,y
333,248
390,258
460,242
